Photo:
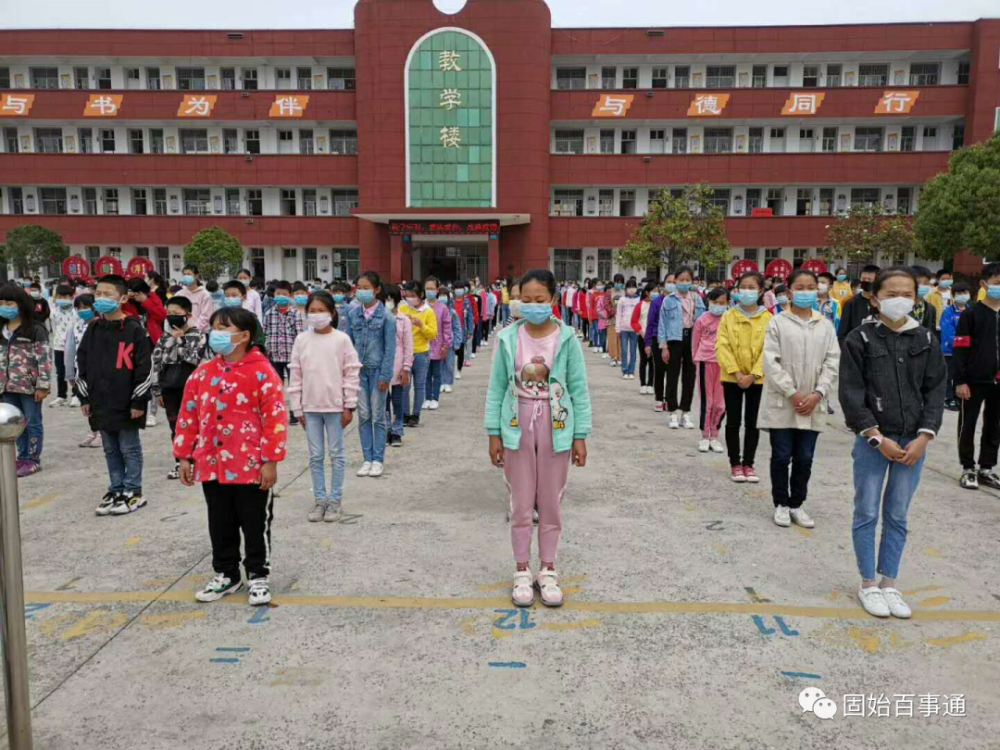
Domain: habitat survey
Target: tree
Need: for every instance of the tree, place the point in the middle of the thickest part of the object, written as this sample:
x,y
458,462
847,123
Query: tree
x,y
31,249
960,209
677,230
864,231
215,252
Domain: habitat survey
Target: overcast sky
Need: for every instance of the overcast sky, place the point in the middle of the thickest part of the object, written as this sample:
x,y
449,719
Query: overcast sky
x,y
303,14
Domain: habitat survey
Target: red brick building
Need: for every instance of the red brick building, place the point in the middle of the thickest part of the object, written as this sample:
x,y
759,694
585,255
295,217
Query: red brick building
x,y
479,143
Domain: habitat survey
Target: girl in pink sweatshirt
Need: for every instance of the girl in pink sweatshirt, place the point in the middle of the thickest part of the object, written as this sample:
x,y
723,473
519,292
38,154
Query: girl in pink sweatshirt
x,y
402,366
324,376
713,404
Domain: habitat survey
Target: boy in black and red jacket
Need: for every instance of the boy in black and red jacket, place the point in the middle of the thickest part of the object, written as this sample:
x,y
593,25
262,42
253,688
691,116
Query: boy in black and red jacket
x,y
113,381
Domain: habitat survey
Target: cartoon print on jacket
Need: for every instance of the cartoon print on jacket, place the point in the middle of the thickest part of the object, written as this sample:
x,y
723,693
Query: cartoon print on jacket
x,y
534,377
559,413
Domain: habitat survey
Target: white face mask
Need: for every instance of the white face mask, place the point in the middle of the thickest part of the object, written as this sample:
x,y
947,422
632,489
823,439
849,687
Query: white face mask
x,y
895,308
319,320
515,308
823,288
390,305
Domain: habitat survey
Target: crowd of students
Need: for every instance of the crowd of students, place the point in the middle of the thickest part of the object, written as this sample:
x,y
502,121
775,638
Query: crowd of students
x,y
766,354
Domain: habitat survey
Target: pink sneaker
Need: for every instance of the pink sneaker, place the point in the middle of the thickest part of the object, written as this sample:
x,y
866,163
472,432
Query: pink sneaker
x,y
548,587
738,475
27,468
750,475
660,406
523,594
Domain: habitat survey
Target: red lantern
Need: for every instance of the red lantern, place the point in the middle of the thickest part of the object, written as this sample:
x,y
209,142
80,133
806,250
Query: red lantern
x,y
137,268
108,264
778,267
741,267
77,267
729,283
815,265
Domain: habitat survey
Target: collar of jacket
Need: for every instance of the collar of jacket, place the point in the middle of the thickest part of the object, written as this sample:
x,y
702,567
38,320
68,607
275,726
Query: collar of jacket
x,y
508,336
816,316
252,357
909,326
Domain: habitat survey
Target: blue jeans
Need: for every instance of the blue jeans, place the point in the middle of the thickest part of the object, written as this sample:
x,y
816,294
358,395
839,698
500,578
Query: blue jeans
x,y
796,448
434,379
418,384
123,452
328,425
395,407
629,347
371,415
870,468
448,368
602,339
29,442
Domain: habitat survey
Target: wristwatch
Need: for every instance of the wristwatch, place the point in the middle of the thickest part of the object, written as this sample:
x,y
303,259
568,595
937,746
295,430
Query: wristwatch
x,y
875,441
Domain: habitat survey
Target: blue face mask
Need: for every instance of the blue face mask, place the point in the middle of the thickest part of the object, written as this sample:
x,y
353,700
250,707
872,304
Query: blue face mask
x,y
804,300
105,306
282,301
923,290
841,277
365,295
459,292
232,302
619,286
187,280
993,291
85,314
748,296
301,299
218,296
962,299
671,288
338,298
599,288
717,309
431,296
655,295
684,286
64,303
536,312
9,313
221,342
782,300
945,283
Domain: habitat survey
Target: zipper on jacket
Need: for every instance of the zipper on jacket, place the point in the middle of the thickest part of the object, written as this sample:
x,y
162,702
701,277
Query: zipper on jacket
x,y
899,386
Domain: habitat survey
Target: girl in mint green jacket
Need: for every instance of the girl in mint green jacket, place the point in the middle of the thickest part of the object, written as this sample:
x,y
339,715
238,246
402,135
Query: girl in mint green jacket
x,y
538,418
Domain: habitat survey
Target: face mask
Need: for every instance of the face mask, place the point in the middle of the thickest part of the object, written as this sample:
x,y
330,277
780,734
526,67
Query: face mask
x,y
301,299
221,342
684,286
630,292
804,300
923,290
655,295
619,286
748,296
993,291
177,321
106,306
9,313
823,288
36,295
515,308
866,286
782,300
895,308
244,282
946,283
459,292
187,280
962,299
536,312
431,295
282,301
841,277
218,296
671,288
413,302
365,296
599,287
934,282
85,314
64,303
338,298
717,309
319,320
444,300
232,302
390,305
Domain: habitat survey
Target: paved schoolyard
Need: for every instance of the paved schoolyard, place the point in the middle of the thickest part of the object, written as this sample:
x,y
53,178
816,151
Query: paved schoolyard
x,y
691,620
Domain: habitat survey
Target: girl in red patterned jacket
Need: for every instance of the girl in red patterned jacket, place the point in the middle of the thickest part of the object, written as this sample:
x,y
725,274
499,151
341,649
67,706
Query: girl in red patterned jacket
x,y
231,432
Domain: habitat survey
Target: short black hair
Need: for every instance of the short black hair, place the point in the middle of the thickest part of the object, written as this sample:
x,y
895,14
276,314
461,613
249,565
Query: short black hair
x,y
780,288
242,319
991,270
414,287
283,284
800,272
237,285
212,286
755,275
921,271
543,276
340,287
190,267
83,300
890,273
182,302
619,278
118,282
719,291
25,304
298,286
435,279
960,286
35,285
63,289
828,276
871,268
138,285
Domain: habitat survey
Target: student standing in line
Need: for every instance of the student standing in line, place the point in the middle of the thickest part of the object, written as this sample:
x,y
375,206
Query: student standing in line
x,y
602,312
373,333
201,299
939,297
713,400
801,361
961,300
640,321
841,290
42,309
83,304
977,383
282,324
440,345
341,292
149,309
448,363
61,321
858,307
323,392
739,348
402,365
463,308
538,415
678,314
825,303
627,306
300,296
652,342
425,330
892,381
252,300
613,297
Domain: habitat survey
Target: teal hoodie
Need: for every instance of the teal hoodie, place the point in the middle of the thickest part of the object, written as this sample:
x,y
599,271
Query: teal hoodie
x,y
569,397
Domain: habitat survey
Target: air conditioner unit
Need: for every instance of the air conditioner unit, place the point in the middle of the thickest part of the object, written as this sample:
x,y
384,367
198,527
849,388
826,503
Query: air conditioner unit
x,y
249,221
246,94
249,157
647,159
649,94
655,32
235,35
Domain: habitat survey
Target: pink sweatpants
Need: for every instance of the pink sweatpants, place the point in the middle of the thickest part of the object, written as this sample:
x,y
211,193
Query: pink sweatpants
x,y
713,402
535,477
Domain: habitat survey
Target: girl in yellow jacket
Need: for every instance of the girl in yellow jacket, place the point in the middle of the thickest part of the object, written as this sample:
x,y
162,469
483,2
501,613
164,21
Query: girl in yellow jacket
x,y
841,291
739,349
425,330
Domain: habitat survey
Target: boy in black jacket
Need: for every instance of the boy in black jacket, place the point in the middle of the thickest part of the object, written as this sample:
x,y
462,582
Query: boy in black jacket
x,y
858,308
977,382
114,376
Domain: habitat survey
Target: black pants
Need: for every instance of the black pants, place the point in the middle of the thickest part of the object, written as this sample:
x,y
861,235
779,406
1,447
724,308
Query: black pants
x,y
460,356
660,369
172,399
796,448
949,395
233,508
736,397
646,365
585,328
281,368
681,368
62,391
968,415
475,336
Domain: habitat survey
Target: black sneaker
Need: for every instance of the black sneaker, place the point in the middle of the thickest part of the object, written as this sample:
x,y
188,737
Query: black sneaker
x,y
107,503
969,480
395,441
414,422
989,478
128,502
174,473
218,587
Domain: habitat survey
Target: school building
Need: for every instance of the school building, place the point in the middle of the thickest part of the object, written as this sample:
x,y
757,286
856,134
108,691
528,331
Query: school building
x,y
476,143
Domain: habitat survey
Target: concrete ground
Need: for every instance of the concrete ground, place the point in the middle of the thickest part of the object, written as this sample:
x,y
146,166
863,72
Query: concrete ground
x,y
691,621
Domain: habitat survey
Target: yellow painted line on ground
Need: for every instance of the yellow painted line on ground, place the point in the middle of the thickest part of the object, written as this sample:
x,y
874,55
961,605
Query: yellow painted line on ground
x,y
40,501
132,541
592,623
934,601
923,589
483,603
804,532
957,639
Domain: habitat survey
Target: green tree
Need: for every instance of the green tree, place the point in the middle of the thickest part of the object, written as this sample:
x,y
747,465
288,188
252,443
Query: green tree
x,y
216,253
678,230
31,249
960,209
865,231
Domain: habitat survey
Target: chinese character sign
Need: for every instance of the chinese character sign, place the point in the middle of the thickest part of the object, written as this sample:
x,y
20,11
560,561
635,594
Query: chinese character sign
x,y
708,105
803,103
613,105
450,122
103,105
289,105
896,102
16,105
197,105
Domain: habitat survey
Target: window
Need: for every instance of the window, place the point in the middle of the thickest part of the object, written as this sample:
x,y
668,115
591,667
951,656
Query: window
x,y
630,78
111,201
607,141
194,141
5,77
309,206
107,140
197,201
756,141
758,79
780,75
751,253
305,142
771,253
135,141
81,78
142,252
343,142
829,139
103,76
925,74
309,262
90,201
569,141
753,200
864,197
604,263
628,144
682,76
155,141
810,76
255,202
720,198
230,141
140,205
567,203
10,141
958,136
233,201
251,139
826,201
807,140
868,139
53,200
93,255
44,78
907,138
873,75
48,140
718,140
799,256
160,201
804,202
834,74
566,264
16,197
257,262
571,78
340,79
132,78
609,77
228,79
775,200
606,202
626,203
720,76
163,261
777,140
660,78
658,141
288,203
286,142
153,78
680,141
346,264
190,79
930,136
903,200
249,78
303,78
963,73
343,201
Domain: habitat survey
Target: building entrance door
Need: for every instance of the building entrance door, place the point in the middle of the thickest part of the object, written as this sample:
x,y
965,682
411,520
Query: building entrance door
x,y
450,262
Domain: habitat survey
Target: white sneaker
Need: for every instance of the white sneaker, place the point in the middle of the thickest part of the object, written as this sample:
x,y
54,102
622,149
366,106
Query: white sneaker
x,y
686,422
674,422
376,470
642,390
426,404
802,518
473,355
624,377
523,593
548,586
57,402
703,446
874,603
649,390
631,377
74,402
217,588
897,607
433,405
604,356
781,517
150,420
716,447
260,592
446,388
365,470
458,375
